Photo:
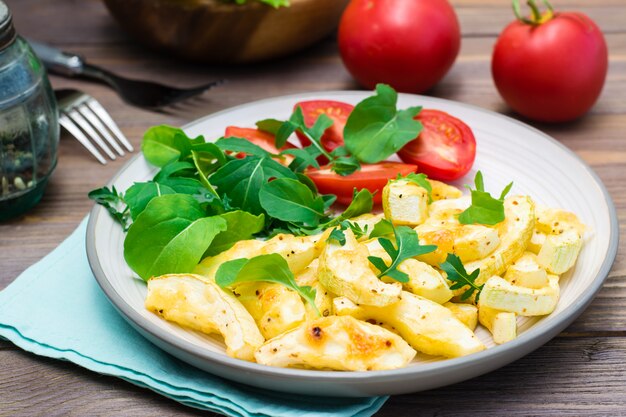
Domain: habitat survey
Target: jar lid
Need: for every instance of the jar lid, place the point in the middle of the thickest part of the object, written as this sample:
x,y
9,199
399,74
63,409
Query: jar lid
x,y
7,31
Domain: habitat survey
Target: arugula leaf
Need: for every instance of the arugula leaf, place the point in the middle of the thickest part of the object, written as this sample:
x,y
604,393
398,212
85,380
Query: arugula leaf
x,y
340,160
180,176
241,180
484,209
419,179
170,236
175,168
362,202
304,158
356,228
338,235
407,246
164,144
290,200
456,273
264,268
382,228
113,201
329,199
376,130
141,193
271,126
240,225
309,183
207,158
343,163
233,144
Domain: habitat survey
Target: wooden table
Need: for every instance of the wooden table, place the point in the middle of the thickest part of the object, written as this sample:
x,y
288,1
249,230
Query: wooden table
x,y
581,372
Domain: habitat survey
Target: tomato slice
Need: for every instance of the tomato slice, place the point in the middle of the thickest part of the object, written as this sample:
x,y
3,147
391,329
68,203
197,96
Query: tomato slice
x,y
258,137
336,110
446,148
373,177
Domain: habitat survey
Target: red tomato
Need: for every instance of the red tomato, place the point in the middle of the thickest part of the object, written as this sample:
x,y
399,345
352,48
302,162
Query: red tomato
x,y
258,137
552,70
373,177
446,148
408,44
336,110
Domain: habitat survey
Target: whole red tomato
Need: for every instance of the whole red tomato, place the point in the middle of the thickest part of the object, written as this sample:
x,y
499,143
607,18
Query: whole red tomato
x,y
408,44
550,67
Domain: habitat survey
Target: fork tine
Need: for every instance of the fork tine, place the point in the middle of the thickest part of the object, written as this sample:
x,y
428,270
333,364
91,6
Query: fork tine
x,y
88,129
78,134
108,121
92,118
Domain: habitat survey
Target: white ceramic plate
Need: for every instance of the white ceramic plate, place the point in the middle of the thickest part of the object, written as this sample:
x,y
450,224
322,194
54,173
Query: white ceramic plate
x,y
507,151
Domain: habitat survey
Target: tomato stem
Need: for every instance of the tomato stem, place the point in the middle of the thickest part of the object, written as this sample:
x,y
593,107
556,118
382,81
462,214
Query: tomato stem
x,y
537,17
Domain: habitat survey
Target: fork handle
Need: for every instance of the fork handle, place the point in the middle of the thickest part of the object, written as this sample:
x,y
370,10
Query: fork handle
x,y
57,61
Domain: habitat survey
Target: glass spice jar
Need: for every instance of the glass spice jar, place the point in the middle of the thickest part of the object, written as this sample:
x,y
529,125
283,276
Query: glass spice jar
x,y
29,129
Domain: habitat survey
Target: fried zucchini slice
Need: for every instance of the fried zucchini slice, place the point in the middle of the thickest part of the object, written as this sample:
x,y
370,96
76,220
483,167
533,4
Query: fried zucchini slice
x,y
337,343
428,327
323,297
559,252
501,324
196,302
345,270
536,241
474,241
442,191
552,221
445,213
274,307
466,313
425,281
526,272
298,251
442,238
405,203
515,233
501,295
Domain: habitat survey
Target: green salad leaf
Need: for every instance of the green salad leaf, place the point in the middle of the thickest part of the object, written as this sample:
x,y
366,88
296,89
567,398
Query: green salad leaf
x,y
456,273
407,246
233,144
164,144
292,201
141,193
376,129
170,236
362,202
240,225
241,180
264,268
383,228
484,209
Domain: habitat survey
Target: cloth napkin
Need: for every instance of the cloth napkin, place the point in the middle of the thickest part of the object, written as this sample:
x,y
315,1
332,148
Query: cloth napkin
x,y
56,309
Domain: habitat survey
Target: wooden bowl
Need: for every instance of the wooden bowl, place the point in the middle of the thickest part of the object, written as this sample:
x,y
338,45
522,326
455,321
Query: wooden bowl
x,y
217,32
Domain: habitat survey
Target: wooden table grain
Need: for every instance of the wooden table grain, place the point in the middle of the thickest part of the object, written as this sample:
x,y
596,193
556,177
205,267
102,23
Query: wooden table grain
x,y
580,372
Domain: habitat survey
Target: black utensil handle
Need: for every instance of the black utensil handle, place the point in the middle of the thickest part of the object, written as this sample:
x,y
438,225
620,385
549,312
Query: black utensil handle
x,y
57,61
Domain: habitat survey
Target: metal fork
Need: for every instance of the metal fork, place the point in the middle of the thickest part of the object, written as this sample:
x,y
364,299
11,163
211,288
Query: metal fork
x,y
83,117
138,93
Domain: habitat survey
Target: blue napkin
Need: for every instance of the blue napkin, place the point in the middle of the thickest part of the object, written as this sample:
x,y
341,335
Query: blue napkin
x,y
56,309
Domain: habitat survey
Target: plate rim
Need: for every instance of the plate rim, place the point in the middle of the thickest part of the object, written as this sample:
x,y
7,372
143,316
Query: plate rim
x,y
523,343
